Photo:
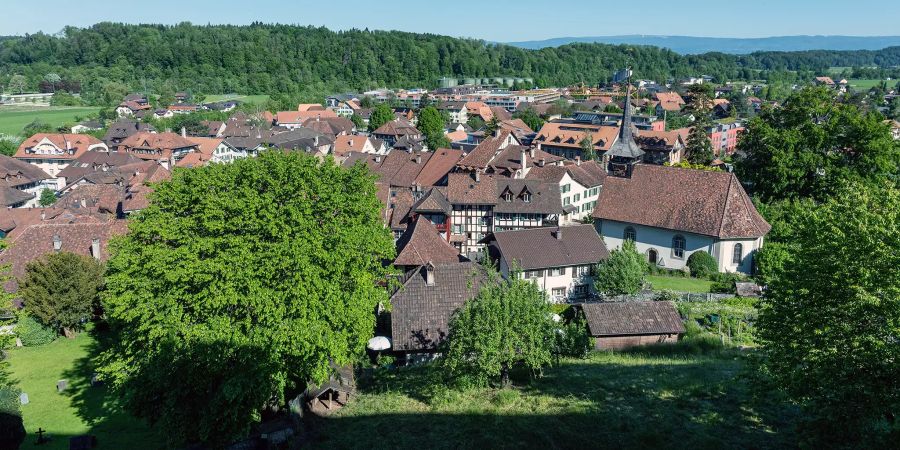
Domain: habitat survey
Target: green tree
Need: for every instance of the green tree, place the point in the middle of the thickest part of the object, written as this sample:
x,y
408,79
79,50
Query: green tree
x,y
358,121
114,92
381,115
425,101
702,264
366,102
432,127
492,126
475,122
698,146
239,283
48,197
531,118
37,126
829,321
18,84
62,290
587,148
507,324
8,147
675,121
812,145
623,273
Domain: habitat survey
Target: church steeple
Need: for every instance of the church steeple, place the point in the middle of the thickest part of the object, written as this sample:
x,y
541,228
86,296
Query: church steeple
x,y
625,152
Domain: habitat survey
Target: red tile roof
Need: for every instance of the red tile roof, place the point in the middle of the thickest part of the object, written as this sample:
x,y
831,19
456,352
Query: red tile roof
x,y
421,244
442,161
72,145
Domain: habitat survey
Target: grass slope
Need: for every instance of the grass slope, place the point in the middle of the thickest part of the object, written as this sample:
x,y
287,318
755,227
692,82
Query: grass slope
x,y
657,399
251,99
79,410
680,284
14,118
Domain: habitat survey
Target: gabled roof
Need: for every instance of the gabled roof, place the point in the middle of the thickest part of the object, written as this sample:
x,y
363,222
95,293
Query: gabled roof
x,y
397,127
11,197
16,173
73,145
689,200
568,134
539,248
420,313
421,244
298,117
545,198
442,161
485,152
632,318
433,201
462,188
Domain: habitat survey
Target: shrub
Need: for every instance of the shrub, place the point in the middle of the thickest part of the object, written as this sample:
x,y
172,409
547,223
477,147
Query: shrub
x,y
666,295
572,338
12,429
623,273
32,333
702,264
723,283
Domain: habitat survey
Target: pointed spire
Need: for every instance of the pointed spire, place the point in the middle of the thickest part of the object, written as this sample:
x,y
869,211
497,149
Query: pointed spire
x,y
625,131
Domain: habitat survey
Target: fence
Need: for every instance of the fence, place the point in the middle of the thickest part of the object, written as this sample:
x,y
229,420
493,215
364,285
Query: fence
x,y
675,296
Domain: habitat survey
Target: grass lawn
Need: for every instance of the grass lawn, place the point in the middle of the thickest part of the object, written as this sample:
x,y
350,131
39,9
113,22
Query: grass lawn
x,y
658,399
81,409
14,118
253,99
865,84
680,284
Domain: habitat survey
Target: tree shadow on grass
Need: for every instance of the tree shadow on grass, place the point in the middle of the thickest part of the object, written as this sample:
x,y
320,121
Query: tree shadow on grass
x,y
635,400
100,409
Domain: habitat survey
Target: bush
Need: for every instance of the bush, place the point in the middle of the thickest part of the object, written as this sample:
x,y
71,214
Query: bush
x,y
622,273
572,339
666,295
32,333
12,429
723,283
702,264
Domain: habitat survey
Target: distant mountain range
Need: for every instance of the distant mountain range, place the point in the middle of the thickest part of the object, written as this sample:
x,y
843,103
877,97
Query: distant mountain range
x,y
694,45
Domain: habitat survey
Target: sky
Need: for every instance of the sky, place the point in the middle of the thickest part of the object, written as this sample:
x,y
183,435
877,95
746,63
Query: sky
x,y
493,20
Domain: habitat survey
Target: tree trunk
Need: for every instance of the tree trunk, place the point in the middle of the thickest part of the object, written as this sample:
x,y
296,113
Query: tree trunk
x,y
69,333
504,376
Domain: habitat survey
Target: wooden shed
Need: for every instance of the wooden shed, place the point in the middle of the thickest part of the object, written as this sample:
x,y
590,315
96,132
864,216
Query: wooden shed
x,y
627,324
333,394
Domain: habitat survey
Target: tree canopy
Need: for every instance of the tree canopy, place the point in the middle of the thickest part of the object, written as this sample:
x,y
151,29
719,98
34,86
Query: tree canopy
x,y
814,144
238,285
431,124
381,115
62,290
623,273
829,317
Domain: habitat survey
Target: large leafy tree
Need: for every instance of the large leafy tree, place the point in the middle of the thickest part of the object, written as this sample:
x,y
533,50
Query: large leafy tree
x,y
530,117
623,273
62,291
381,115
237,285
698,146
813,144
17,84
431,124
509,323
830,318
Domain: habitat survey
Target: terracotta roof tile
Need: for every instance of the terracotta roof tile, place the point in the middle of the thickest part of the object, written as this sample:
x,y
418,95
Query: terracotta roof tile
x,y
421,244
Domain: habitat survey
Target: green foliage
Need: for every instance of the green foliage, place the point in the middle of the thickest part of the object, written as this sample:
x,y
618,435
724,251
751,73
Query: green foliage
x,y
812,146
572,338
689,165
62,98
33,333
623,273
8,147
675,121
475,122
239,282
358,121
531,118
829,319
431,124
723,283
702,264
18,84
506,325
731,321
62,290
381,115
12,429
48,197
37,126
587,148
698,146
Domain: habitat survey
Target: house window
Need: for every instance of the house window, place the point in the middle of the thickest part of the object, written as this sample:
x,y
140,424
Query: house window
x,y
567,201
557,271
534,273
678,246
565,188
738,254
652,256
558,293
581,271
581,290
526,197
630,234
507,197
576,197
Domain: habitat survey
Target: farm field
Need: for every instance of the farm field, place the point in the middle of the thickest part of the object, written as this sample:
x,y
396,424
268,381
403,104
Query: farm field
x,y
680,284
866,84
81,409
252,99
14,118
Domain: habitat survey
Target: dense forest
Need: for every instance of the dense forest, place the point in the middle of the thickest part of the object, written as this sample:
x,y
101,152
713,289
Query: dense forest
x,y
295,60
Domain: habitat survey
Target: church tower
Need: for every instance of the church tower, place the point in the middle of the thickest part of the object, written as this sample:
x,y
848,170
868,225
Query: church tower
x,y
625,153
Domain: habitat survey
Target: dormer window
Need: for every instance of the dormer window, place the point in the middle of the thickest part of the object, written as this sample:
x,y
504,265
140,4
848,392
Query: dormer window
x,y
507,197
526,197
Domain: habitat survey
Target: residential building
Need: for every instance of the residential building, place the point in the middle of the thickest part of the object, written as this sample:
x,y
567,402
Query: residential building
x,y
579,187
457,111
123,128
560,260
131,108
295,119
724,137
620,325
671,213
421,244
661,147
165,148
21,183
392,131
669,102
53,152
564,139
86,125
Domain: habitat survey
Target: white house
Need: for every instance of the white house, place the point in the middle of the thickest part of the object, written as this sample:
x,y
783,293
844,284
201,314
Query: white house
x,y
559,259
54,152
579,186
671,213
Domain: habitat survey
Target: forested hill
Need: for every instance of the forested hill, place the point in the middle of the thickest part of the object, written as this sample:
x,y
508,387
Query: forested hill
x,y
263,58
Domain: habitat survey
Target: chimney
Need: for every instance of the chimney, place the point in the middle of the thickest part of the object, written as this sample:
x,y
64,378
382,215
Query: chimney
x,y
429,274
43,215
533,151
316,140
57,243
183,132
83,202
317,117
541,162
418,159
477,176
378,158
578,160
558,233
95,248
523,158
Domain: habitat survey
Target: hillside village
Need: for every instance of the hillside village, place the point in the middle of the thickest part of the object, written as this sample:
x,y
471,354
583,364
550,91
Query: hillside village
x,y
476,179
